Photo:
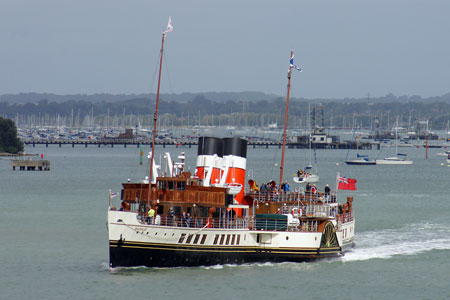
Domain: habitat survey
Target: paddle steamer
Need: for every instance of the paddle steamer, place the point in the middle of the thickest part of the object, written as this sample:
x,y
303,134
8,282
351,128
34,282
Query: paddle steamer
x,y
175,218
223,227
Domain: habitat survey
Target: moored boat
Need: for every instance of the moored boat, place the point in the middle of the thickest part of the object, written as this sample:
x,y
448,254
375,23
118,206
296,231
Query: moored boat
x,y
400,159
362,160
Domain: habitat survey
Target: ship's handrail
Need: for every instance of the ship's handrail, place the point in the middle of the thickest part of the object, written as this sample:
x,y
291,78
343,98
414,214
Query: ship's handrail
x,y
291,196
343,218
198,222
264,224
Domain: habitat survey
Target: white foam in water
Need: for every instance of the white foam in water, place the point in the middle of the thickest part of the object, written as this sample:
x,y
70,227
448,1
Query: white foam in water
x,y
409,240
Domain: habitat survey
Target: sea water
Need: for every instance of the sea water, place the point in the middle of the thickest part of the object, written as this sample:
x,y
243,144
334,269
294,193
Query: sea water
x,y
54,244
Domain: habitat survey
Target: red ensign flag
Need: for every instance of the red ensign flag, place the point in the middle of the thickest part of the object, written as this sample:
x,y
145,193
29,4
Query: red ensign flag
x,y
345,183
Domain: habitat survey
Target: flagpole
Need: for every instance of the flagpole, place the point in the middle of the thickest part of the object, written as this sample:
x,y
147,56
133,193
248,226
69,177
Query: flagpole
x,y
285,120
337,184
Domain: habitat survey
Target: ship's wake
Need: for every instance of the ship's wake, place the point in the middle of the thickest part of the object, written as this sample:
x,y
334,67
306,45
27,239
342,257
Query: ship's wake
x,y
409,240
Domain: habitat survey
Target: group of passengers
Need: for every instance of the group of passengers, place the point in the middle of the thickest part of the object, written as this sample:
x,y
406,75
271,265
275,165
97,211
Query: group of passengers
x,y
302,173
270,187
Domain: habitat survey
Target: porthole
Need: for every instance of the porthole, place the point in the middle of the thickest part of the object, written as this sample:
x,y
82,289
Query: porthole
x,y
287,238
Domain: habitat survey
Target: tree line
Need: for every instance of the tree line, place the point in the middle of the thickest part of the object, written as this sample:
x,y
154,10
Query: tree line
x,y
203,111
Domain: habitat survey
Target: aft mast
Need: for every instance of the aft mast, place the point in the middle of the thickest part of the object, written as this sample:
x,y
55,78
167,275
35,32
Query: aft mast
x,y
155,115
291,65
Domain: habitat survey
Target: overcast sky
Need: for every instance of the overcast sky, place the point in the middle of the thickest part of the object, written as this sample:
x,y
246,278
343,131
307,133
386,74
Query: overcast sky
x,y
346,48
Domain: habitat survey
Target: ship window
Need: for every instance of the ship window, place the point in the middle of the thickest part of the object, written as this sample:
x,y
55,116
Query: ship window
x,y
181,185
170,185
162,185
188,240
228,240
197,237
238,240
232,239
222,238
216,238
203,239
183,235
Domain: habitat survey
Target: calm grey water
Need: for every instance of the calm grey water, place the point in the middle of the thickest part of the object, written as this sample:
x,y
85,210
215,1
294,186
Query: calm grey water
x,y
54,240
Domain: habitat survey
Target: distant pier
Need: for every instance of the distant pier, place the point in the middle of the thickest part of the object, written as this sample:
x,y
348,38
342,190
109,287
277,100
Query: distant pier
x,y
367,145
31,165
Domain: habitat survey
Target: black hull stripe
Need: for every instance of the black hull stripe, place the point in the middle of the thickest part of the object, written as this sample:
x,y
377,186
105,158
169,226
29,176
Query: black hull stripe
x,y
126,254
131,257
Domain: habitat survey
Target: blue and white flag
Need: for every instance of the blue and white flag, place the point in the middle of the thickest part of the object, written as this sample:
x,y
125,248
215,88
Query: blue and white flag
x,y
291,64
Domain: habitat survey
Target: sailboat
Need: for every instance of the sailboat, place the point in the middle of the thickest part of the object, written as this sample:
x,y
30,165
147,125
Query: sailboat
x,y
308,175
399,158
362,160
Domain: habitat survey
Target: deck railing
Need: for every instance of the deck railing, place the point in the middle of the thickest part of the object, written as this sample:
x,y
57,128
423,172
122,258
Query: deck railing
x,y
263,224
291,196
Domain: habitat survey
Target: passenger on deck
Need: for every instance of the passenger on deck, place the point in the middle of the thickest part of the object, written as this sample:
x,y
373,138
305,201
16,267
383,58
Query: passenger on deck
x,y
327,191
308,187
157,220
184,220
313,189
263,188
286,186
188,220
151,216
171,215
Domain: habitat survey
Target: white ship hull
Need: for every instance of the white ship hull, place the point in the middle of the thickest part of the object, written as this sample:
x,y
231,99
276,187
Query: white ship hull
x,y
133,243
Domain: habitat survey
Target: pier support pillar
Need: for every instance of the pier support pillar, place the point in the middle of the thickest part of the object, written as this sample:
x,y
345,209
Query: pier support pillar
x,y
46,145
34,144
73,145
124,145
112,145
59,144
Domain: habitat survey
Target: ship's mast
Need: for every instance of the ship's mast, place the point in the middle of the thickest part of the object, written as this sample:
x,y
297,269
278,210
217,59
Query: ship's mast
x,y
155,120
285,119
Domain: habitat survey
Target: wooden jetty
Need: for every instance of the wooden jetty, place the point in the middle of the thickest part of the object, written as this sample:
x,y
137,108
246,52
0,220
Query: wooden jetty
x,y
31,165
255,144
